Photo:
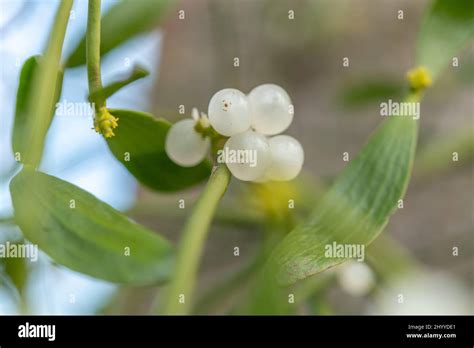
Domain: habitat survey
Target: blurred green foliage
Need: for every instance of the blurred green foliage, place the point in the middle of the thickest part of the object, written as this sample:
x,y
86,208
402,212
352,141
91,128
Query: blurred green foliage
x,y
121,23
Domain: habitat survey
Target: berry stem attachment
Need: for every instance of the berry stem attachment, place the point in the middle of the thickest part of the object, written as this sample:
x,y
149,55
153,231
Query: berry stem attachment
x,y
180,292
204,128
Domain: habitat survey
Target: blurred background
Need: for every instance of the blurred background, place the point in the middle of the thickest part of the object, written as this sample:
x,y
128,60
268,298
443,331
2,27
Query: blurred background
x,y
300,45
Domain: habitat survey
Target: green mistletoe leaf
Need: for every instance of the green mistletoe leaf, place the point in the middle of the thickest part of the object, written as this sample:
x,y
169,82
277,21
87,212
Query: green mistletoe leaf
x,y
81,232
139,144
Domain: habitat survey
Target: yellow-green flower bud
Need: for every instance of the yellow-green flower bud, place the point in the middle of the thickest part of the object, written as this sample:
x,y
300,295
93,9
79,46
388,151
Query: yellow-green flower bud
x,y
105,122
419,78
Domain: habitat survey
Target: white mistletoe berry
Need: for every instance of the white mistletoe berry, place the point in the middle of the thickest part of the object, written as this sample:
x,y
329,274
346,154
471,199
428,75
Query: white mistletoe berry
x,y
287,157
271,110
247,155
229,112
356,278
184,145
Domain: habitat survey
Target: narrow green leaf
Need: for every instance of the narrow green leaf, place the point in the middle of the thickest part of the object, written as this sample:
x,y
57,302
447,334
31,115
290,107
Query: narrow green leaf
x,y
17,270
267,299
81,232
356,208
122,22
446,29
137,73
139,144
41,104
20,138
9,287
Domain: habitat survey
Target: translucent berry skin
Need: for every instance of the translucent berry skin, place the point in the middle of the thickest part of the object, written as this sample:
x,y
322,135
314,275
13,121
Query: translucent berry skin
x,y
257,144
356,278
263,178
270,110
184,146
229,112
287,157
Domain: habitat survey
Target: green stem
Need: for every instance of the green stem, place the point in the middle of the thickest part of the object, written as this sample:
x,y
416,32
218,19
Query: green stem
x,y
93,53
192,243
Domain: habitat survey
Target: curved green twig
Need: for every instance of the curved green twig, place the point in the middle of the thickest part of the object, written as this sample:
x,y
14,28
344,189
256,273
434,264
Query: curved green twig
x,y
180,290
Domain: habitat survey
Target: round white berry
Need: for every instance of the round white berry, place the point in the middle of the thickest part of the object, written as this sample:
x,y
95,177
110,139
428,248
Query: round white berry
x,y
184,145
271,110
229,112
356,278
287,157
263,178
247,155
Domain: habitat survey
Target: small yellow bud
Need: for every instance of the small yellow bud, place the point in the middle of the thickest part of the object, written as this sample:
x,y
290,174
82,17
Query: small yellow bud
x,y
419,78
109,133
104,122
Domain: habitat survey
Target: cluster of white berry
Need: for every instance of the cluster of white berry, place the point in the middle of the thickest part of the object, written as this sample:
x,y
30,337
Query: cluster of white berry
x,y
253,152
